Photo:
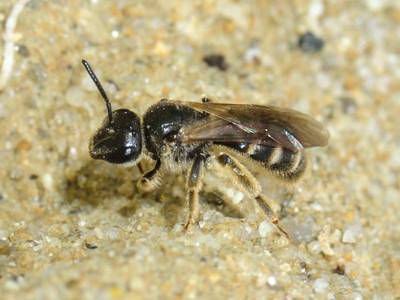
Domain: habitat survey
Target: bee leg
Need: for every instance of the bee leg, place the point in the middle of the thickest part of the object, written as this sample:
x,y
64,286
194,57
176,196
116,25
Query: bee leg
x,y
263,203
246,179
194,185
241,175
140,167
152,179
205,99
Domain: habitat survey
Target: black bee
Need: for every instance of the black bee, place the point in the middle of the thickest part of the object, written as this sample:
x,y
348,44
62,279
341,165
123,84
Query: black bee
x,y
181,135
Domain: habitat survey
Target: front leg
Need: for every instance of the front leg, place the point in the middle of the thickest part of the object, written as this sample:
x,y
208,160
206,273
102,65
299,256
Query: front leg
x,y
152,179
194,185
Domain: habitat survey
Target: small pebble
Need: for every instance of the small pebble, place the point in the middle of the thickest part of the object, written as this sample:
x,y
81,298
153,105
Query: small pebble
x,y
357,296
316,9
216,61
310,43
238,197
352,233
16,174
90,246
33,176
252,54
271,281
234,195
320,285
349,105
339,270
48,181
73,153
22,50
316,206
99,233
14,282
115,34
264,228
314,247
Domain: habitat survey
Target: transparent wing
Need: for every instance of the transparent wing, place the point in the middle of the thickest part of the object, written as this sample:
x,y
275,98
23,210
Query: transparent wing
x,y
219,130
268,124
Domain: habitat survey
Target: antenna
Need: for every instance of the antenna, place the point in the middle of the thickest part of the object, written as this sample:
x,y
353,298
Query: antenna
x,y
99,87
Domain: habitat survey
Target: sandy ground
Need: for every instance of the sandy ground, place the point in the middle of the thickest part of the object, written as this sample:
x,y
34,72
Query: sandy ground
x,y
74,228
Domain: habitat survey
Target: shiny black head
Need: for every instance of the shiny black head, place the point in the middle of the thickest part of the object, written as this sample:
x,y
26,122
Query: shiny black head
x,y
119,139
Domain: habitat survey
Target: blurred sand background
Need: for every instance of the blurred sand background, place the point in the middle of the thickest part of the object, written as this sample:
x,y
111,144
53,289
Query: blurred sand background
x,y
73,228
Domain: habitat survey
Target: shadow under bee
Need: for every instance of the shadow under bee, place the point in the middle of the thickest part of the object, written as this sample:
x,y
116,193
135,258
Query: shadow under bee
x,y
223,205
175,208
95,183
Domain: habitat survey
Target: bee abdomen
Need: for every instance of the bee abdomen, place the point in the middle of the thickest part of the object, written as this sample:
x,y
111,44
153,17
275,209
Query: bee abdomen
x,y
282,162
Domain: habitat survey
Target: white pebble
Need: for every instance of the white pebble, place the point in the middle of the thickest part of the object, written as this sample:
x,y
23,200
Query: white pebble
x,y
352,233
316,206
316,9
238,197
73,152
320,285
252,53
99,233
314,247
3,235
202,224
264,228
48,181
12,285
112,233
115,34
357,296
271,281
375,5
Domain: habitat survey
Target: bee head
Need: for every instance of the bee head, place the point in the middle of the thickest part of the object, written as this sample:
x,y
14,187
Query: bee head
x,y
119,139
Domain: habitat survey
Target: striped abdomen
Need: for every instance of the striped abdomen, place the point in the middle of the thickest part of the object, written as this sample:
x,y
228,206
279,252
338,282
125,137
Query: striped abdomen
x,y
282,162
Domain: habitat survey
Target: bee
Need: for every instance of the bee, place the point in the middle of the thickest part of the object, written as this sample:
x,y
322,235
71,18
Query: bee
x,y
190,136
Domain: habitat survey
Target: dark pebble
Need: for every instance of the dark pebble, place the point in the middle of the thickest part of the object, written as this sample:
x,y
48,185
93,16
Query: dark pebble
x,y
33,176
216,61
90,246
339,270
310,43
23,50
349,105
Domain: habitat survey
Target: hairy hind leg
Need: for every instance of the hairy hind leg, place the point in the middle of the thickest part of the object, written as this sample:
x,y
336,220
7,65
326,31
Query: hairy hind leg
x,y
249,183
263,203
194,184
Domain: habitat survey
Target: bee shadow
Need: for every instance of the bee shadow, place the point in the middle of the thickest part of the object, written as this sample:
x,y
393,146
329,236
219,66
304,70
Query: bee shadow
x,y
175,209
217,201
95,183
